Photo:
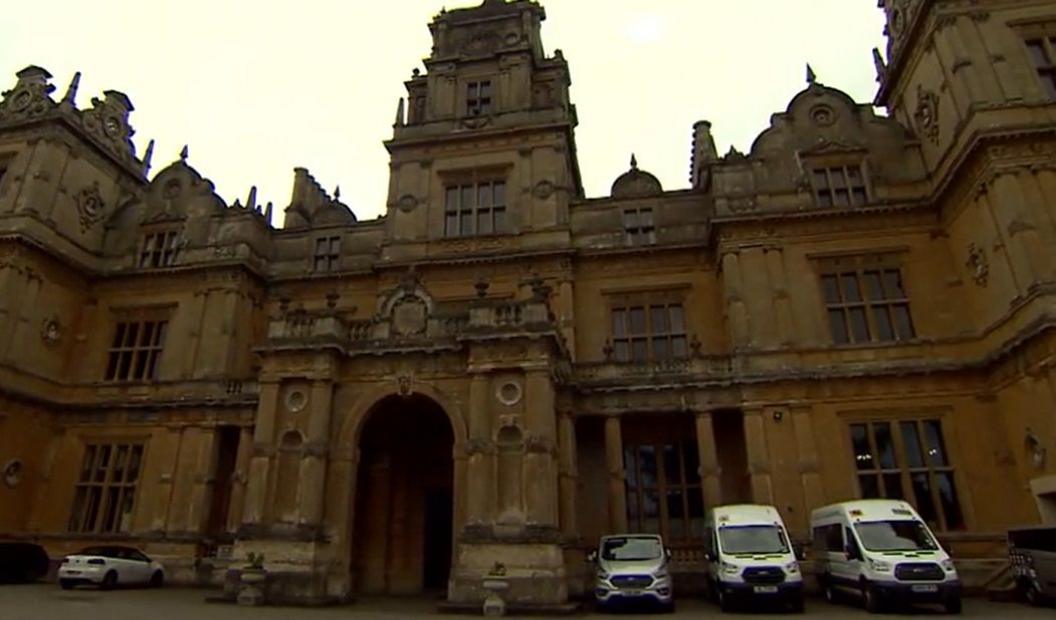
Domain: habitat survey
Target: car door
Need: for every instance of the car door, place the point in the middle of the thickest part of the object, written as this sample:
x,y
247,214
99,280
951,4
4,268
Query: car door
x,y
142,566
126,568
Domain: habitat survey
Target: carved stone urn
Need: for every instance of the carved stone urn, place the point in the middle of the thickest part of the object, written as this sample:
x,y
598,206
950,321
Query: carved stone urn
x,y
252,581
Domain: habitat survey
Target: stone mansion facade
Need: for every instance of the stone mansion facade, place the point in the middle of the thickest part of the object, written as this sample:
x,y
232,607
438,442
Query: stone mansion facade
x,y
501,369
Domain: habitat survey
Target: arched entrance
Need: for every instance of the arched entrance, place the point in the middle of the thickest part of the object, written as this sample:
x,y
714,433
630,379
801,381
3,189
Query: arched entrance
x,y
402,534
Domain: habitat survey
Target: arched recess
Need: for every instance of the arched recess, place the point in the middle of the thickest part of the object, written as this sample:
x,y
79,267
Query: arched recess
x,y
404,498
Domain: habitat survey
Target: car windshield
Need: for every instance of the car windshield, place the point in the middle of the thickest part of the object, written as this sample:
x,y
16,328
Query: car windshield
x,y
753,539
895,536
631,549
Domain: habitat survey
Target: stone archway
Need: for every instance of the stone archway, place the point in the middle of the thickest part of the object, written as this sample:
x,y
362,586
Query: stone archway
x,y
404,500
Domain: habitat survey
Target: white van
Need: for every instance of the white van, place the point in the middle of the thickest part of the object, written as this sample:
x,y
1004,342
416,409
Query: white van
x,y
880,551
750,558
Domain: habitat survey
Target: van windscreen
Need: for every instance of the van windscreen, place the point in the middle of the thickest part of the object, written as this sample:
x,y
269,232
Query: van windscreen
x,y
895,536
753,539
631,549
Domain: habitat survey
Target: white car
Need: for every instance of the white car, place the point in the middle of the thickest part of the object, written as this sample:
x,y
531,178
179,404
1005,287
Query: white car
x,y
109,567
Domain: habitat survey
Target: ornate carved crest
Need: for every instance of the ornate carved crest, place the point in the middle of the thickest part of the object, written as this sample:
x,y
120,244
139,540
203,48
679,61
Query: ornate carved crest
x,y
409,316
90,205
927,113
407,203
978,265
29,98
51,330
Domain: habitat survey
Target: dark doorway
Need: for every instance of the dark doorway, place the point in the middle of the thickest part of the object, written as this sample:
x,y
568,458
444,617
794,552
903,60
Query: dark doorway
x,y
227,440
437,548
404,498
732,456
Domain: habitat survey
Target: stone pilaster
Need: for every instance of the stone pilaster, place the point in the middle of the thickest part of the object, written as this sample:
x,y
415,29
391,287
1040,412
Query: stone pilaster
x,y
540,470
263,450
480,454
758,456
614,465
710,472
809,467
313,463
736,310
569,473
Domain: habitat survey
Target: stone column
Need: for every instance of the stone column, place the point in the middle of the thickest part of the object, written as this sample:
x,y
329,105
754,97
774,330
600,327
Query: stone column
x,y
566,440
614,464
758,456
813,490
1004,216
707,451
479,460
540,472
313,462
263,452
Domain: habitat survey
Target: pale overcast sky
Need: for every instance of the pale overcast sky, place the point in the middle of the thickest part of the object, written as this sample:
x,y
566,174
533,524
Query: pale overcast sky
x,y
256,88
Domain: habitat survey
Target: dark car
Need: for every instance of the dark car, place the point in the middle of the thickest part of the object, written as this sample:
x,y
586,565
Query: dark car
x,y
1032,552
22,562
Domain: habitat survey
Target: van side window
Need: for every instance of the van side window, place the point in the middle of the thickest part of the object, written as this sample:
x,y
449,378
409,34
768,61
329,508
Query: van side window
x,y
851,541
829,537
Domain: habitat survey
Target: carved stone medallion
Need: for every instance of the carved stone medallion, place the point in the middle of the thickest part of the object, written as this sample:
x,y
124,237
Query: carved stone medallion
x,y
90,205
927,113
978,265
409,317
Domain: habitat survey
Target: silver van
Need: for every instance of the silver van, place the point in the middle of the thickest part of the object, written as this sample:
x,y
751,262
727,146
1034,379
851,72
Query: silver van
x,y
632,568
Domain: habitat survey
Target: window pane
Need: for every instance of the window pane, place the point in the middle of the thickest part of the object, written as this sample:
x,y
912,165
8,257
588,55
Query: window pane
x,y
466,227
660,322
499,193
466,203
618,319
484,201
651,512
484,223
911,439
133,464
874,288
91,511
630,220
451,202
870,486
630,466
632,509
119,464
885,447
859,326
885,332
951,505
821,180
678,347
102,464
893,486
1048,83
500,219
863,455
622,351
86,466
893,284
647,465
831,290
131,333
678,324
672,464
858,196
645,218
841,198
825,199
854,176
691,463
838,180
485,88
1036,49
637,320
695,506
922,494
849,285
638,351
661,349
936,447
451,225
838,327
903,323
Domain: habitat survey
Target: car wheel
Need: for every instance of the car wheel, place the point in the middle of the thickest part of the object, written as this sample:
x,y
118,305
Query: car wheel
x,y
725,604
870,600
953,605
157,579
109,581
66,584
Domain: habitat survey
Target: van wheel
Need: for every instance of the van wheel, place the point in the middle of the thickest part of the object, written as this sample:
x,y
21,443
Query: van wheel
x,y
797,606
725,604
870,600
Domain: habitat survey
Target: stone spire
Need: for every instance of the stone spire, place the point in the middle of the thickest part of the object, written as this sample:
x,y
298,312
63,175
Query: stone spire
x,y
251,202
183,153
399,113
147,156
634,162
812,78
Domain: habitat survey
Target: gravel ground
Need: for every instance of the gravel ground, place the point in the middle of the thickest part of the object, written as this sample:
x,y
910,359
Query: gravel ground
x,y
48,602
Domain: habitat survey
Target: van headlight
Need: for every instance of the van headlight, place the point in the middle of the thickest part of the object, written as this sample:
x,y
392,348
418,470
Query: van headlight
x,y
730,569
792,568
880,566
602,574
947,565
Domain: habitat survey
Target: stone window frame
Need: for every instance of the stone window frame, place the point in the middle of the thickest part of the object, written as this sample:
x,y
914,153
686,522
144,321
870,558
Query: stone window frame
x,y
625,339
480,96
689,484
1042,34
152,254
932,463
107,488
137,344
884,319
637,231
457,214
842,177
6,159
326,253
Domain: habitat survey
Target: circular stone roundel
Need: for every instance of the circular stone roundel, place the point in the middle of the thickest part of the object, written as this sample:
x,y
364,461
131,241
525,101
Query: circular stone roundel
x,y
13,472
296,400
509,393
823,115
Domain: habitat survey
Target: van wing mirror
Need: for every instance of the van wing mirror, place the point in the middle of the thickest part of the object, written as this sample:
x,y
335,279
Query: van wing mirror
x,y
852,552
667,552
592,556
709,556
798,551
